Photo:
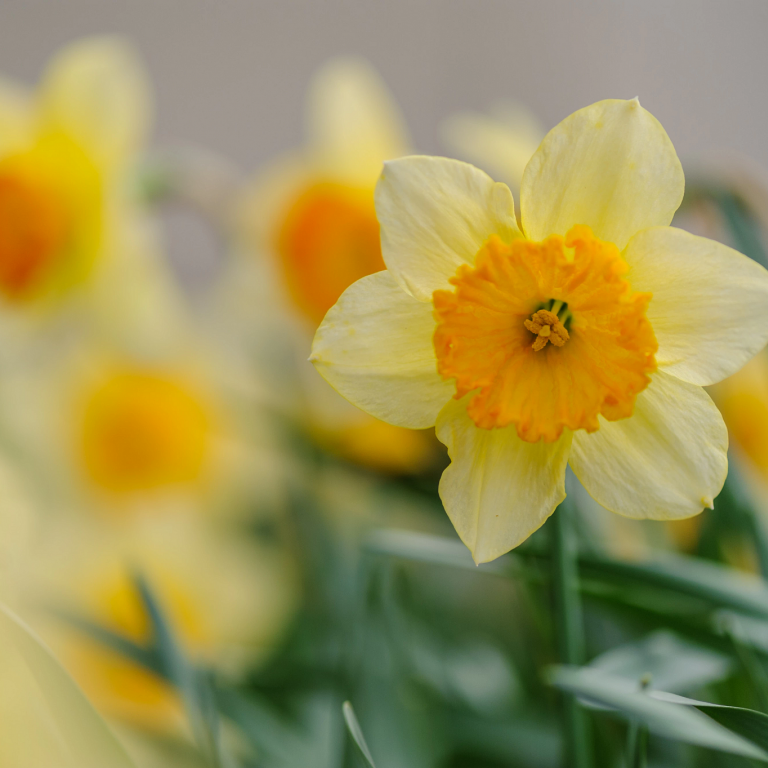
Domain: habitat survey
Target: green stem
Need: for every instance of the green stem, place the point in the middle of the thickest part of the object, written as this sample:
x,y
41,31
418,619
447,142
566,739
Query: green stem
x,y
637,742
570,631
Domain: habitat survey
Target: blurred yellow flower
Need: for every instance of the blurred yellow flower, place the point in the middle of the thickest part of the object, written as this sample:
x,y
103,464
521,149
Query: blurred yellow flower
x,y
313,211
743,401
142,431
228,597
145,467
501,142
313,217
101,432
584,338
62,157
45,720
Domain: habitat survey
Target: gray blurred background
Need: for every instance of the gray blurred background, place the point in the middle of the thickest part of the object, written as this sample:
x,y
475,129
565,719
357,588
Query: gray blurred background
x,y
230,75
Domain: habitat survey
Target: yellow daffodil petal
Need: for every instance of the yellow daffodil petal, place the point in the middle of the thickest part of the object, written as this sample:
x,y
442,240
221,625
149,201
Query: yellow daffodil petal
x,y
45,720
354,123
709,309
667,461
435,214
96,91
610,166
16,117
375,348
498,489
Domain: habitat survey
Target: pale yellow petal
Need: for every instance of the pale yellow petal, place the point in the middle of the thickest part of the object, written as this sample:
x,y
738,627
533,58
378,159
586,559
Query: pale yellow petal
x,y
354,124
96,90
667,461
709,309
375,348
435,215
16,117
45,720
610,166
501,143
498,489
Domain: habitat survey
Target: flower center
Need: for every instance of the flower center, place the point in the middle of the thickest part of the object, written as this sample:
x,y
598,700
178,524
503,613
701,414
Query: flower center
x,y
33,231
547,326
541,363
328,240
142,432
51,218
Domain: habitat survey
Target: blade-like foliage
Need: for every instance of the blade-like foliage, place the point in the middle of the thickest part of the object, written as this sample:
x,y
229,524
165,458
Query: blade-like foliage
x,y
356,732
667,715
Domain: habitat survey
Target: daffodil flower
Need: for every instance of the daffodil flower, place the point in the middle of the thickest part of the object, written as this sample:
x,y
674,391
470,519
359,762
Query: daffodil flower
x,y
312,216
500,142
584,337
228,598
142,431
313,211
64,149
743,401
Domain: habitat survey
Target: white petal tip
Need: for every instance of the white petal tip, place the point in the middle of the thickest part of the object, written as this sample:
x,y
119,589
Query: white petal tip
x,y
314,357
708,503
635,102
481,559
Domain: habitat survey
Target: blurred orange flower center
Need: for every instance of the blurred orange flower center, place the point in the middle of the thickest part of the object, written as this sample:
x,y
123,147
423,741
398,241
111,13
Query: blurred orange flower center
x,y
493,331
142,432
33,231
328,240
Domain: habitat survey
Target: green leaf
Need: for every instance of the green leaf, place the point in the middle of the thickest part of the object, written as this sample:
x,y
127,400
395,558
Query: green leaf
x,y
716,585
668,715
356,732
738,629
713,583
749,723
670,662
144,657
192,683
434,550
313,738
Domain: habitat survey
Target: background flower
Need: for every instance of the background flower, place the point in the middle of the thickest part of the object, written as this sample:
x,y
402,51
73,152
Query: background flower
x,y
311,222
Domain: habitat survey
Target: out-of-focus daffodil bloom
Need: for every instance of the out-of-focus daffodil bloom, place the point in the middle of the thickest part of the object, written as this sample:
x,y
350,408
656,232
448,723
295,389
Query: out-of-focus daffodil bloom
x,y
45,720
143,468
584,338
312,216
743,401
228,598
74,235
141,431
314,210
114,435
63,150
501,142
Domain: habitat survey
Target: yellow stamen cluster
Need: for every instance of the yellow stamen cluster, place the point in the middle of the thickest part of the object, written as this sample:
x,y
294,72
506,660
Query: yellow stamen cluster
x,y
547,327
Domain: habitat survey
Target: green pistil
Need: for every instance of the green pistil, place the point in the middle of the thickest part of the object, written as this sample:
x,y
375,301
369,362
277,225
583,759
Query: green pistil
x,y
559,308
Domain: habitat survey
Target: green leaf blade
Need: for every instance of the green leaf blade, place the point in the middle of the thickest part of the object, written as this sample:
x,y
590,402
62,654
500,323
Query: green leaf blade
x,y
356,732
665,715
